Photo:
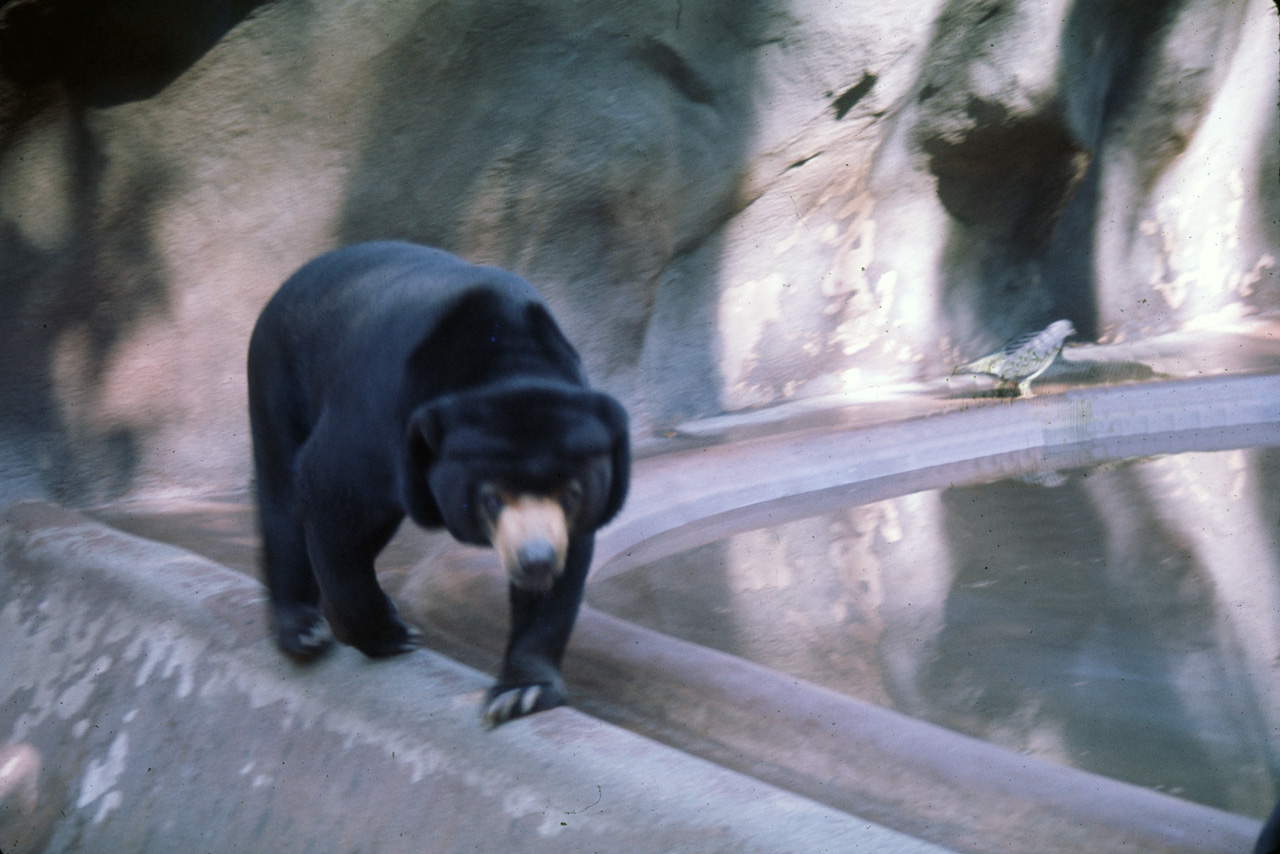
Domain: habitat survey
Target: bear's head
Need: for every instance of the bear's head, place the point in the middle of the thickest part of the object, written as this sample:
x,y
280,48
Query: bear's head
x,y
523,467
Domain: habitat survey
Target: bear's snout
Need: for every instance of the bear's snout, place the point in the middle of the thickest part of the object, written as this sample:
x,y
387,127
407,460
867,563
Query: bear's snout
x,y
538,565
531,537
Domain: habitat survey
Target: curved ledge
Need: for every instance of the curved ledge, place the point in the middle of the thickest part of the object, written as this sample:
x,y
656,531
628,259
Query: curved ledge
x,y
908,774
148,711
687,499
852,756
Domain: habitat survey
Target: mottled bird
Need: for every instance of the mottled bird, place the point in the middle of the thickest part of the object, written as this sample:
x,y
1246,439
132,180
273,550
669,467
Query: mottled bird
x,y
1024,358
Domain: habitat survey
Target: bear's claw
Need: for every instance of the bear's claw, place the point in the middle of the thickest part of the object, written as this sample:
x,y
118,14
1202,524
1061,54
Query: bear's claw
x,y
302,634
398,643
508,703
379,639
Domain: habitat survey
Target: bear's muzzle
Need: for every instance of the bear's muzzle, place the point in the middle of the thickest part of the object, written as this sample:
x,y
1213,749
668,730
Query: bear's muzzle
x,y
531,537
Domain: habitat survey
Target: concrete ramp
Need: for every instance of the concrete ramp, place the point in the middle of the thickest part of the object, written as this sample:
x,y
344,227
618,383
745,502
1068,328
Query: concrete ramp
x,y
144,709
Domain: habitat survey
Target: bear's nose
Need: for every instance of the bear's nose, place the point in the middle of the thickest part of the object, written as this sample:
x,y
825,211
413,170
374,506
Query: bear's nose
x,y
537,563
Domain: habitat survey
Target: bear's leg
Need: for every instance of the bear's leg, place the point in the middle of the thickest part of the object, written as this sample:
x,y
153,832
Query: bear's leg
x,y
342,542
530,680
300,630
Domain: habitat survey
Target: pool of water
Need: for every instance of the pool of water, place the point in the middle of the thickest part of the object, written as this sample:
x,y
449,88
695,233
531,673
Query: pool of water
x,y
1123,619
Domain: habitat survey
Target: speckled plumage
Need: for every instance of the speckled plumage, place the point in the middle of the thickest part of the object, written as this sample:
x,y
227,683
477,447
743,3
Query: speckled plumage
x,y
1024,358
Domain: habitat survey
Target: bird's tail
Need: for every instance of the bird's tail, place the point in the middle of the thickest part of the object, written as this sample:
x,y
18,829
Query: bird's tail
x,y
985,365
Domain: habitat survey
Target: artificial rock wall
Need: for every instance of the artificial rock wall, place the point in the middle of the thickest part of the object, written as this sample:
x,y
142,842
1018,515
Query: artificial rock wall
x,y
728,202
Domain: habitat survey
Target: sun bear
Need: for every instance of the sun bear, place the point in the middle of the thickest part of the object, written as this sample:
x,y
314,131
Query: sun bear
x,y
389,379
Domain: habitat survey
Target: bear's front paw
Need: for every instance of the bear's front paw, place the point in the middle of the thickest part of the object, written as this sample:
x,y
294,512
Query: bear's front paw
x,y
301,633
506,702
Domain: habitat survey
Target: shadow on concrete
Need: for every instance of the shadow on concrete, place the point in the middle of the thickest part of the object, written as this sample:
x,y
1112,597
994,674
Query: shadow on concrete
x,y
68,294
79,269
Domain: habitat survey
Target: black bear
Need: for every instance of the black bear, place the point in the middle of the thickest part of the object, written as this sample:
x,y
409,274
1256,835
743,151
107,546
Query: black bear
x,y
388,379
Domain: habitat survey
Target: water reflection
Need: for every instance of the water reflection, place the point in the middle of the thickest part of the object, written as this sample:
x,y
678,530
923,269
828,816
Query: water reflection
x,y
1122,619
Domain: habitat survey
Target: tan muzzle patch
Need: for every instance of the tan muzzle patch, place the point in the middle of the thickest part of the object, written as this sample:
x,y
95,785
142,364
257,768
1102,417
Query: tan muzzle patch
x,y
531,537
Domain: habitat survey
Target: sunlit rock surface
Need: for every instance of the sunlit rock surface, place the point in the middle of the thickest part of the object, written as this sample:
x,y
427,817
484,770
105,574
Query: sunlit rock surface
x,y
729,204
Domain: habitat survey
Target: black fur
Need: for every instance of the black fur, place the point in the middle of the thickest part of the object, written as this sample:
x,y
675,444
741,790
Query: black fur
x,y
388,379
1269,839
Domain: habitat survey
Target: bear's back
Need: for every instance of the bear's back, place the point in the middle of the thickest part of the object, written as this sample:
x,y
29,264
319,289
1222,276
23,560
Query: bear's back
x,y
371,304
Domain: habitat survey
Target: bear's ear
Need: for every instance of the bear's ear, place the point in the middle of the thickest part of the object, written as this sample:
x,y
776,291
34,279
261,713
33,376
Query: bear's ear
x,y
422,447
614,417
426,425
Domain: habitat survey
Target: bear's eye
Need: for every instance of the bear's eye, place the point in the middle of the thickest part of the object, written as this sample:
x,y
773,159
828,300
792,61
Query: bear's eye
x,y
571,498
490,501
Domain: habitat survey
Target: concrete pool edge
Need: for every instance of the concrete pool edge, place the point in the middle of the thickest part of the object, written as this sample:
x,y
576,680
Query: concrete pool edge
x,y
922,779
725,489
728,474
149,712
689,498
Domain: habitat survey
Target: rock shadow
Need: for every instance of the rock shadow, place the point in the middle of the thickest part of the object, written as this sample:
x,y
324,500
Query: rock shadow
x,y
80,269
593,153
